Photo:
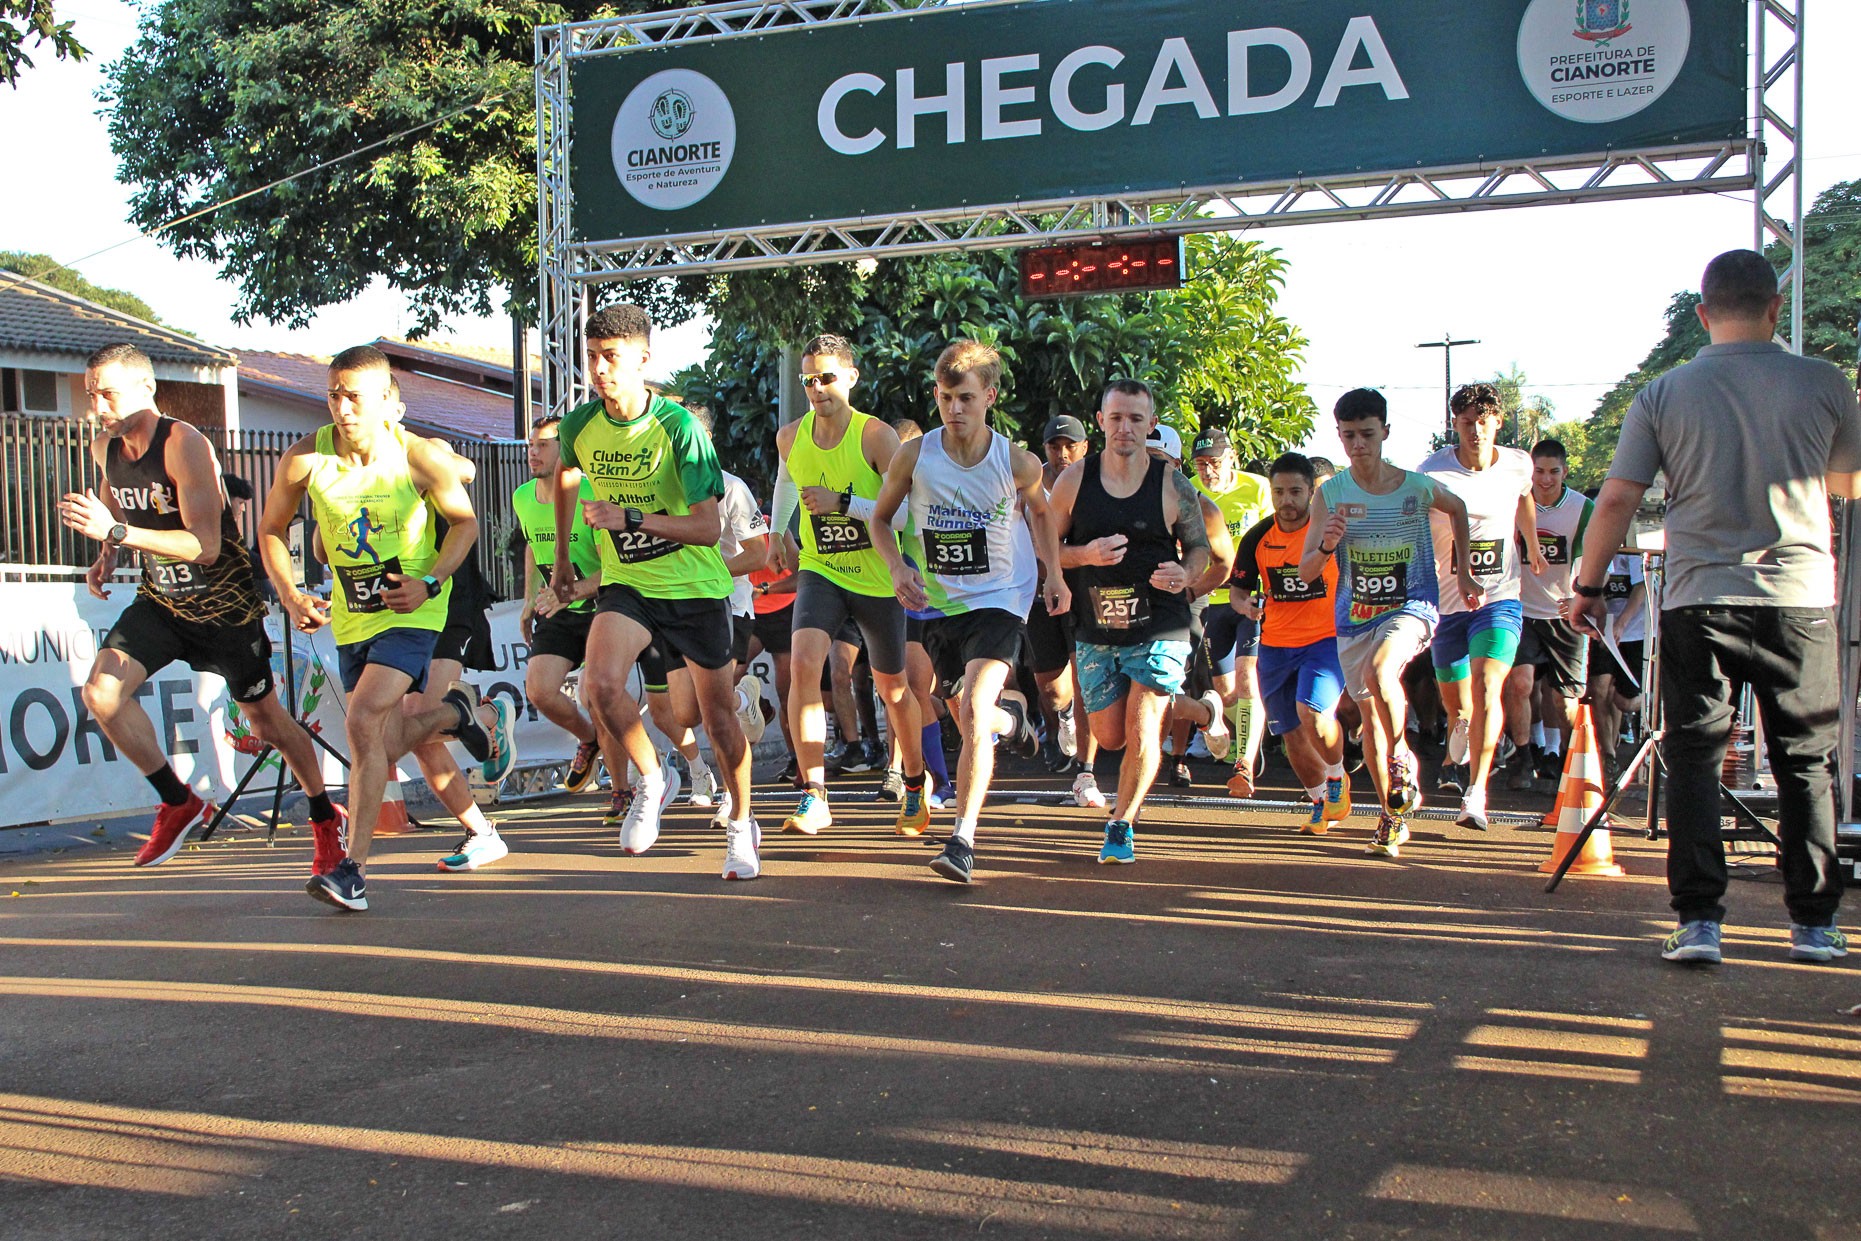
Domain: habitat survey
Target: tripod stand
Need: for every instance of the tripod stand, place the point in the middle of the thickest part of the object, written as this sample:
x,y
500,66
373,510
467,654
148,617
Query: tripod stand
x,y
285,774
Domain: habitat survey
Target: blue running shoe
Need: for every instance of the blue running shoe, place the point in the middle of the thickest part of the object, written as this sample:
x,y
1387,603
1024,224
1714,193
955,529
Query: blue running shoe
x,y
1693,941
1317,824
1118,850
342,887
1817,943
956,862
503,733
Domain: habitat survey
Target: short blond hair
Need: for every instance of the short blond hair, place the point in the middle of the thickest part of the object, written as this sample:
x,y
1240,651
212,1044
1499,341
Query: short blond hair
x,y
969,357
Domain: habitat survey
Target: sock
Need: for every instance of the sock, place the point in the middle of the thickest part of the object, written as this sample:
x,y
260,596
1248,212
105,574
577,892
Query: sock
x,y
965,831
933,752
320,808
915,783
1250,727
168,786
1334,771
1317,794
1553,743
1537,733
819,790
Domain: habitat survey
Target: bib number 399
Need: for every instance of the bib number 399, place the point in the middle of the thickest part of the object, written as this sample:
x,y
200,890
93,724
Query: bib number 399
x,y
363,585
1376,589
957,553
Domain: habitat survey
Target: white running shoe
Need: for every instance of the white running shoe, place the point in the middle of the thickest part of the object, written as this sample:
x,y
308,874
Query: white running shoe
x,y
749,708
744,843
639,831
1086,791
474,851
1217,736
1069,734
704,788
721,819
1457,742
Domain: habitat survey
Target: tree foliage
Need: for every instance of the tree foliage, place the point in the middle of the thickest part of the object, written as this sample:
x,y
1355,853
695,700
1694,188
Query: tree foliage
x,y
218,98
21,19
1215,352
47,270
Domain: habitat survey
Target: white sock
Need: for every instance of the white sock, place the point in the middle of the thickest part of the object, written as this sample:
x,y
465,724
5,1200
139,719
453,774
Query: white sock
x,y
654,780
1334,771
1317,794
1553,743
965,831
1537,734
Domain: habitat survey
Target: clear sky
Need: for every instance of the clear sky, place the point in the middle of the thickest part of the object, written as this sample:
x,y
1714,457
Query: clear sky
x,y
1573,296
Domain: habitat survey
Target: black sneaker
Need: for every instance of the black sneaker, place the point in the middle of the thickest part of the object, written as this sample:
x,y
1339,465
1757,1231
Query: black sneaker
x,y
1023,740
468,732
791,774
863,756
834,758
1451,779
1050,756
342,887
955,862
1353,755
1181,778
1519,773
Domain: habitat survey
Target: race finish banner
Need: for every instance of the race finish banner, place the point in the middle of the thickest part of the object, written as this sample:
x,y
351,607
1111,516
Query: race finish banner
x,y
1044,101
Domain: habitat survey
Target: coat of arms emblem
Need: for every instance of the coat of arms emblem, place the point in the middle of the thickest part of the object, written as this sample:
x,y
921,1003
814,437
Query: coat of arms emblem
x,y
1599,21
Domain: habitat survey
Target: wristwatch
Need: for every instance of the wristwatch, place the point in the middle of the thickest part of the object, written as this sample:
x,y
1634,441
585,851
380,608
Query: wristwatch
x,y
432,586
1588,592
117,534
634,517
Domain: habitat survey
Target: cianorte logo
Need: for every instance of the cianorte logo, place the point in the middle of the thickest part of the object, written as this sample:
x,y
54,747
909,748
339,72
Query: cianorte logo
x,y
674,137
1602,67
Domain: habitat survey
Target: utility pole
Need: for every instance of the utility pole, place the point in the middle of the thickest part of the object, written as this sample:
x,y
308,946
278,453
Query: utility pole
x,y
1446,346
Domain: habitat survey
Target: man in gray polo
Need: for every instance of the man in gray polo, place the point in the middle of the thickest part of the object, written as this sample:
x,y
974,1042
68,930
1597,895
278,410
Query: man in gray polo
x,y
1752,440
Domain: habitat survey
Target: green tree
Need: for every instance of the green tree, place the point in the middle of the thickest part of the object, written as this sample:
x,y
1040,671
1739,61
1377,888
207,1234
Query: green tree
x,y
218,98
47,270
20,19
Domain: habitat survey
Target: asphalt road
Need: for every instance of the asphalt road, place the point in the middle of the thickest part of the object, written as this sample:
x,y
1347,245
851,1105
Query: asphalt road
x,y
1249,1033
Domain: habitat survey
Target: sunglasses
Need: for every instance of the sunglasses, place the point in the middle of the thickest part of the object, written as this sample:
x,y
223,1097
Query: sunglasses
x,y
822,380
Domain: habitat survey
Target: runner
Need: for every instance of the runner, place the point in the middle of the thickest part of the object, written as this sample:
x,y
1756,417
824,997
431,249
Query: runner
x,y
388,607
838,457
1373,519
1134,543
198,600
1299,672
1553,656
658,484
557,631
1474,646
1231,634
1050,638
977,519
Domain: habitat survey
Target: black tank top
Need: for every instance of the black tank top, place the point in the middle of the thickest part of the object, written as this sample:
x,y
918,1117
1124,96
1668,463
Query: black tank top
x,y
1115,605
222,593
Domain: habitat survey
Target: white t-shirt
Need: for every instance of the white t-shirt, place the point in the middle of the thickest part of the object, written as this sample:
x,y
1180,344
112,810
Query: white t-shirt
x,y
742,521
1624,575
1492,499
1560,538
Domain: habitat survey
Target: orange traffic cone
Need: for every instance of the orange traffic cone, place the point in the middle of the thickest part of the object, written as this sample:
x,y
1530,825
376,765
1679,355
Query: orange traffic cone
x,y
1579,797
393,818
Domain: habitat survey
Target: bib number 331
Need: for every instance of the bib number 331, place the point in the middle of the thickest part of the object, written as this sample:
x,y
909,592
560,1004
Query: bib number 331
x,y
957,553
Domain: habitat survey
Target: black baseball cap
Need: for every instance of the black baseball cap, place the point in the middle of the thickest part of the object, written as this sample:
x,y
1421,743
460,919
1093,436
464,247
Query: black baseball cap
x,y
1212,442
1064,427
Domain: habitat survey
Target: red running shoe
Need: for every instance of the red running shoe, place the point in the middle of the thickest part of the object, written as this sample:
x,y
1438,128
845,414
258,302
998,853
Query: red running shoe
x,y
173,825
332,839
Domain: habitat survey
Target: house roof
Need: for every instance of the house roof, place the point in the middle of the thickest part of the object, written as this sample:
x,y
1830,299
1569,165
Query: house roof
x,y
39,317
440,406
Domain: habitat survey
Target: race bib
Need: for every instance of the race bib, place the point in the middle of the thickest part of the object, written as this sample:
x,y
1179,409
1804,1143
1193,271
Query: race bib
x,y
1617,586
363,585
1119,607
836,532
1383,588
1555,548
957,553
1486,558
634,546
175,579
1286,586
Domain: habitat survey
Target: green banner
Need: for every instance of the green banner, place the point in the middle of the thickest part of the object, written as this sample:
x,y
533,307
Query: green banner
x,y
980,104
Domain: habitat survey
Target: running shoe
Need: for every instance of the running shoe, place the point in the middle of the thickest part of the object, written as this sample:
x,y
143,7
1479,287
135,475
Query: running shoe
x,y
791,774
811,815
749,709
1457,738
705,788
725,806
1353,754
742,850
1317,824
1086,791
957,861
1817,943
1069,734
1520,773
478,849
1241,780
834,757
1118,849
862,756
1405,795
1050,756
1023,740
1450,779
617,807
1337,800
892,788
1386,841
1473,810
913,813
1503,750
942,794
173,825
343,887
1550,765
1695,941
1218,737
331,836
582,766
639,831
1180,777
462,696
503,756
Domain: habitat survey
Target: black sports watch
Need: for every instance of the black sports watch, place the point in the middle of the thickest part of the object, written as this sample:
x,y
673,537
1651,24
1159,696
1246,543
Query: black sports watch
x,y
1588,592
634,517
118,533
432,586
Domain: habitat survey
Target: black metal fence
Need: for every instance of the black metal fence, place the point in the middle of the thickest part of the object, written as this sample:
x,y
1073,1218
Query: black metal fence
x,y
43,458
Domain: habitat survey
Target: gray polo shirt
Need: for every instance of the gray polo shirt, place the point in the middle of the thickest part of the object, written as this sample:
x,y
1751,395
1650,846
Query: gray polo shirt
x,y
1745,434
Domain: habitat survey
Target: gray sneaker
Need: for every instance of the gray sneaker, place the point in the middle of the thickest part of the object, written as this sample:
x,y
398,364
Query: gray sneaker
x,y
892,788
1817,943
1693,941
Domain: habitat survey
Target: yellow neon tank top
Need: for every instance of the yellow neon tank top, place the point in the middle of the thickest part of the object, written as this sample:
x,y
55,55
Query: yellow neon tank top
x,y
834,545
